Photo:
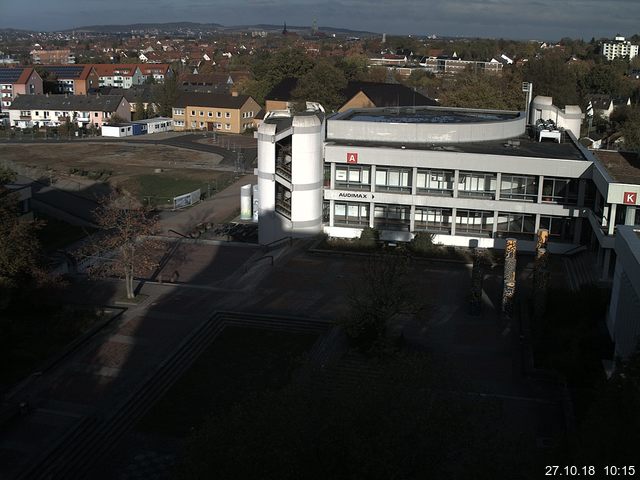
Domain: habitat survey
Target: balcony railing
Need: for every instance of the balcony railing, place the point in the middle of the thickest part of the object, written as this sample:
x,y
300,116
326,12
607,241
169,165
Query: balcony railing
x,y
284,170
283,207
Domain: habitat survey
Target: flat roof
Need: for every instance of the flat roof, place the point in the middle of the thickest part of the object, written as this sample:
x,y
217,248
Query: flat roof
x,y
426,115
522,146
624,167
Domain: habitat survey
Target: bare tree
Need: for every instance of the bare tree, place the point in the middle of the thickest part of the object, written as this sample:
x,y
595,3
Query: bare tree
x,y
123,248
382,289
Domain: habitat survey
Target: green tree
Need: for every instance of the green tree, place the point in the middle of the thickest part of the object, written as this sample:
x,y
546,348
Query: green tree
x,y
353,67
324,83
164,95
551,76
20,254
140,112
480,90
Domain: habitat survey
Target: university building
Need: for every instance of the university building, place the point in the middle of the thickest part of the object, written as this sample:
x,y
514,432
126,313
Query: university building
x,y
468,177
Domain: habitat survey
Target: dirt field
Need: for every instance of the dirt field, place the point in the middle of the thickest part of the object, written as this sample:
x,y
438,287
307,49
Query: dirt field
x,y
129,166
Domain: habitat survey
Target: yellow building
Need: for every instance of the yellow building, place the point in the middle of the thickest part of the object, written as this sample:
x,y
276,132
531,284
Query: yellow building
x,y
231,113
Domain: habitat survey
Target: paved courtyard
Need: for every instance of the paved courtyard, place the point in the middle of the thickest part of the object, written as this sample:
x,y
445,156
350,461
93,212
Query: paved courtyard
x,y
102,374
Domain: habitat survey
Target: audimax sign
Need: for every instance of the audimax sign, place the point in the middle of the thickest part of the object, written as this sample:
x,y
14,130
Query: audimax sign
x,y
358,196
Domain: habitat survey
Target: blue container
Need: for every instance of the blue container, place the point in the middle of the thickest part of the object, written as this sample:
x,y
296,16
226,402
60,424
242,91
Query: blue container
x,y
139,129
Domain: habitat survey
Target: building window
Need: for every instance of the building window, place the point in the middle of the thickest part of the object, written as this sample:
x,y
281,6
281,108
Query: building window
x,y
193,124
227,126
193,113
218,114
560,190
560,228
393,179
435,182
351,214
517,225
392,217
430,219
201,124
227,115
519,187
477,184
474,222
201,113
209,114
352,177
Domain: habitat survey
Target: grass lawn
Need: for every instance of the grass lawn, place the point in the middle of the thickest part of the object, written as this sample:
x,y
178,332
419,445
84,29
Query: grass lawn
x,y
28,337
162,187
239,362
56,234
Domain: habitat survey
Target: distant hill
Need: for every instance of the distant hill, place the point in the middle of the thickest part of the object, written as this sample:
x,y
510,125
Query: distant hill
x,y
204,27
148,26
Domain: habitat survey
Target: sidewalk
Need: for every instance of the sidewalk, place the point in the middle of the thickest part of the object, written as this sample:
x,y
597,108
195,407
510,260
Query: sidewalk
x,y
220,208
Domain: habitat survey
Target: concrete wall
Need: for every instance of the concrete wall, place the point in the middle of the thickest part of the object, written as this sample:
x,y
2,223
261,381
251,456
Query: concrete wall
x,y
624,310
388,132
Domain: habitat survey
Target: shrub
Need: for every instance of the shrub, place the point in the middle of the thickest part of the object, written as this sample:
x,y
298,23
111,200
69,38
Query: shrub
x,y
369,238
422,243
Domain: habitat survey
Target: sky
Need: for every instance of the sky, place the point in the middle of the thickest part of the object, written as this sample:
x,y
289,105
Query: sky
x,y
514,19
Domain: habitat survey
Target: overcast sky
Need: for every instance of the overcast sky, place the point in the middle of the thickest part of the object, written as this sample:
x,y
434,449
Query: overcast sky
x,y
517,19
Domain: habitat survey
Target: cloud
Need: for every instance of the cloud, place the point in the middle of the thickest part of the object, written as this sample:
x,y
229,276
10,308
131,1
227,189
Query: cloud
x,y
551,19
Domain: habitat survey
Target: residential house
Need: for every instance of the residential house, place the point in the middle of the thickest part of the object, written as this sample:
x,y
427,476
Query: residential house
x,y
619,48
52,110
157,71
118,75
357,95
214,112
18,81
446,65
59,57
72,79
135,95
603,105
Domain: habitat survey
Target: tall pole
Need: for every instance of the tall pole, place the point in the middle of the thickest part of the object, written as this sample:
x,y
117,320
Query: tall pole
x,y
509,288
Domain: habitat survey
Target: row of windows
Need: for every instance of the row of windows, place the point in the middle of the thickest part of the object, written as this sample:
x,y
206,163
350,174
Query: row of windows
x,y
210,114
439,220
227,126
470,184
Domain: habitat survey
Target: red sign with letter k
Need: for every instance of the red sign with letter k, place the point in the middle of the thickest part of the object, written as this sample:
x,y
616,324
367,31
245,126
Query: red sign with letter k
x,y
630,198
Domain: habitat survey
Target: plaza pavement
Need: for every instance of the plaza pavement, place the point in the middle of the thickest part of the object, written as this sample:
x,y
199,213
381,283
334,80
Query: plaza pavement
x,y
101,375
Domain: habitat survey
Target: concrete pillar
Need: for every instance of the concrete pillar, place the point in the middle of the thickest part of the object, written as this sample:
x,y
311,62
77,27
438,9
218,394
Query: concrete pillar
x,y
456,180
331,213
498,184
582,188
412,217
577,230
605,265
454,212
630,215
414,181
371,210
605,215
536,226
612,218
494,229
540,188
332,185
373,179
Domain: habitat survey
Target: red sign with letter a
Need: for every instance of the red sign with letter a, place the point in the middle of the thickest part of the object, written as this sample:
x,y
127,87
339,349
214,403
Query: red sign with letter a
x,y
352,158
630,198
